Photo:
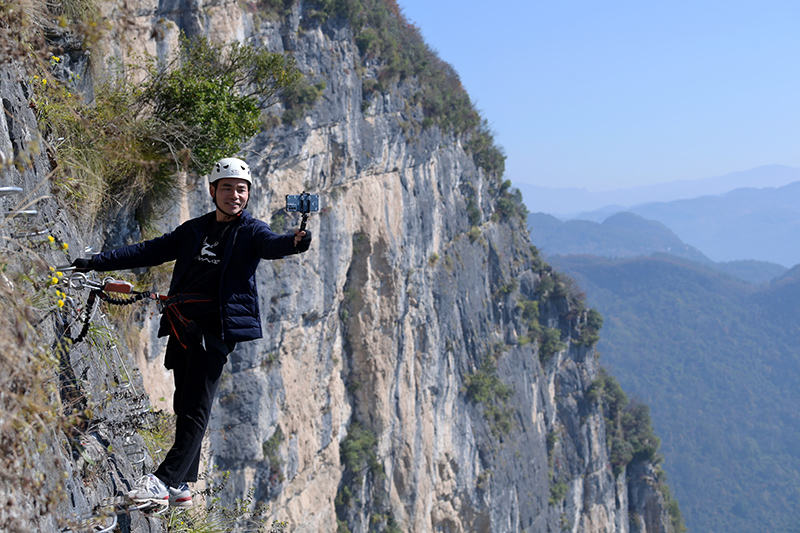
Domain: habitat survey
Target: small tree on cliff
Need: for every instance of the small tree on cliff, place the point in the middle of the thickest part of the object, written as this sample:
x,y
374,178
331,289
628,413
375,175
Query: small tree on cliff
x,y
126,145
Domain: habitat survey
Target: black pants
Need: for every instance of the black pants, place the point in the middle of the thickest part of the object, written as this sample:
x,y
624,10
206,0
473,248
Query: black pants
x,y
197,372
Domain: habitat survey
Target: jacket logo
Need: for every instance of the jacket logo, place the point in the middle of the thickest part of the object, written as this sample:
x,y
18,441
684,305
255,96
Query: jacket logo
x,y
207,253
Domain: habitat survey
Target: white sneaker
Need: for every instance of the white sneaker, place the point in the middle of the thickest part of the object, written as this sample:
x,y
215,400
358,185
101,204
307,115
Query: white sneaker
x,y
149,489
180,497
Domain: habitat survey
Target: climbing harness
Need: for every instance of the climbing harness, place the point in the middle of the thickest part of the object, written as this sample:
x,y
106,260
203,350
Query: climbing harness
x,y
167,305
101,290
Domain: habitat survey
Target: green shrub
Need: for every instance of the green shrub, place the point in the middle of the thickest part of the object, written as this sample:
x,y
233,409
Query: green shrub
x,y
550,440
271,449
473,213
299,99
507,288
474,233
485,387
530,310
591,328
217,91
508,205
558,491
673,509
126,147
550,343
629,432
546,284
638,431
358,450
485,152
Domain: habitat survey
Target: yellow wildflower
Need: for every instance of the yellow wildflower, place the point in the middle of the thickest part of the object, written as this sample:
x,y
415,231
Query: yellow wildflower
x,y
51,238
60,303
64,245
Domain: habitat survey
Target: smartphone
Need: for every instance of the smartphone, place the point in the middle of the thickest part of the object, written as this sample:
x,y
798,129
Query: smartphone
x,y
302,203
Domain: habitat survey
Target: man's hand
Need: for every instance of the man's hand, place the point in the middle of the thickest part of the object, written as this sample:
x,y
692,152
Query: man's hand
x,y
302,240
82,265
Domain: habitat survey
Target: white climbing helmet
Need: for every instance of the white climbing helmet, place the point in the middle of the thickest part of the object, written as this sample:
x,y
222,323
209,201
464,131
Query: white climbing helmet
x,y
230,167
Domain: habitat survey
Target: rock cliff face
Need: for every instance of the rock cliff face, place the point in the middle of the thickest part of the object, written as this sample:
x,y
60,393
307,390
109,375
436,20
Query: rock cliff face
x,y
397,384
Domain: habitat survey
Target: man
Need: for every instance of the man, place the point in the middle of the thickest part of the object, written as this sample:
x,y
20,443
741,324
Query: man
x,y
212,304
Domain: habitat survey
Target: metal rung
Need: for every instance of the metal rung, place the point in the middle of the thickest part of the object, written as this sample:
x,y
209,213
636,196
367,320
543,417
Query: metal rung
x,y
109,528
106,529
5,191
161,511
39,233
150,503
23,213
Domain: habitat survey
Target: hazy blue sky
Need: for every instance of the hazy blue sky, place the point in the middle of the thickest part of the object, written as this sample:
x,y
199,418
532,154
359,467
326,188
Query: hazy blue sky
x,y
615,94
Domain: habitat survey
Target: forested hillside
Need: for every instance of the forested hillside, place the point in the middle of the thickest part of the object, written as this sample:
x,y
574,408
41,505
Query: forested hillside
x,y
718,361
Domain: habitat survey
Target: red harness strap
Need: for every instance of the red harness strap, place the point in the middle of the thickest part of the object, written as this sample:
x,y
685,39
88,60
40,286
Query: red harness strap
x,y
177,322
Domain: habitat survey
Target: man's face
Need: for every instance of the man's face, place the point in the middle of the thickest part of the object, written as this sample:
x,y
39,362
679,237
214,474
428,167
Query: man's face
x,y
232,195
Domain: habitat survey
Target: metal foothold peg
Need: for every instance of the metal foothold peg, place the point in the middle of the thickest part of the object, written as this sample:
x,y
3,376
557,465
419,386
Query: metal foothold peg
x,y
5,191
23,213
110,527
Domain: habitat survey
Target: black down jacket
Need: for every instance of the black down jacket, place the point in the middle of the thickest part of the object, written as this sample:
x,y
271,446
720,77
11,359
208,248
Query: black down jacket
x,y
250,241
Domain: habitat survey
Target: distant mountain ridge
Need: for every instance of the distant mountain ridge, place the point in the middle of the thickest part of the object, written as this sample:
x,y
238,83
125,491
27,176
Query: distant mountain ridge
x,y
762,224
620,235
627,234
753,223
570,202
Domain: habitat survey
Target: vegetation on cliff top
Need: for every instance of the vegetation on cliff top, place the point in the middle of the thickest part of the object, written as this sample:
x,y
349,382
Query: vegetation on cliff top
x,y
126,145
388,41
630,436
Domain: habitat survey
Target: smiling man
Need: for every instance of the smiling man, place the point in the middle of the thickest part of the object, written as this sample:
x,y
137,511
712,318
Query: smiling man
x,y
212,305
